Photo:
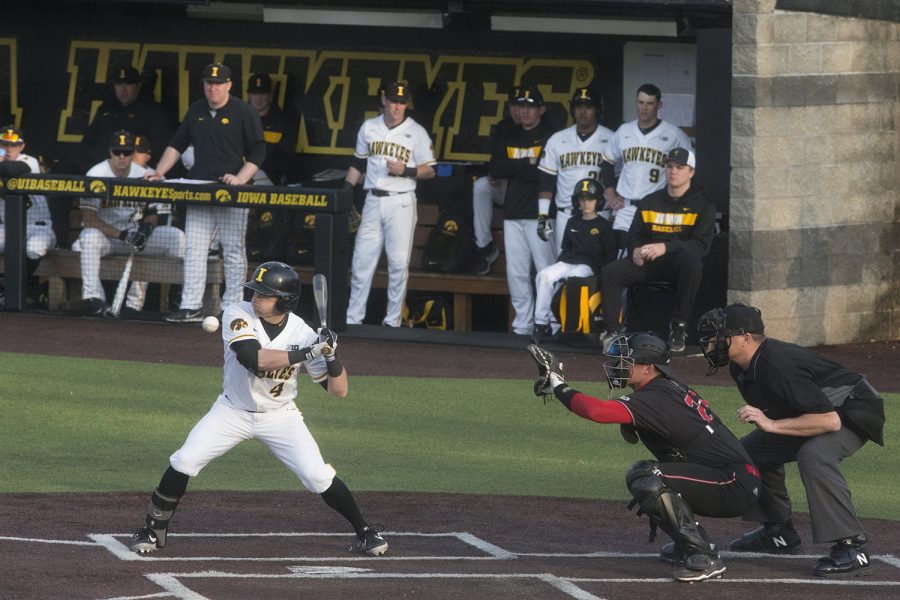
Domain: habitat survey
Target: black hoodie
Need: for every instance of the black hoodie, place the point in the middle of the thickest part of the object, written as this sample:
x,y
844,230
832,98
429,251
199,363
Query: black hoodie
x,y
676,222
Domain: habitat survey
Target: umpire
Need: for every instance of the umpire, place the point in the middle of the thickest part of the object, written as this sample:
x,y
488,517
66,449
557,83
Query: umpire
x,y
807,409
700,465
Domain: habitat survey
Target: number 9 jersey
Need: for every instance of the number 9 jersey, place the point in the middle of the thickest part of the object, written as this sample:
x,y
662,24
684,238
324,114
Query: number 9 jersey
x,y
264,391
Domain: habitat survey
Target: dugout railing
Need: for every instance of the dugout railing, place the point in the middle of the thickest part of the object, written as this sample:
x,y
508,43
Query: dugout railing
x,y
331,246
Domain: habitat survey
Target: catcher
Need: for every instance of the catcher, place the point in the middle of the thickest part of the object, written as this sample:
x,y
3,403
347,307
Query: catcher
x,y
699,467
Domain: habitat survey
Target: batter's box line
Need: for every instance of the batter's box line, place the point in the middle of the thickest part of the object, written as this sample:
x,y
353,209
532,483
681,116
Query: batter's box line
x,y
111,542
175,588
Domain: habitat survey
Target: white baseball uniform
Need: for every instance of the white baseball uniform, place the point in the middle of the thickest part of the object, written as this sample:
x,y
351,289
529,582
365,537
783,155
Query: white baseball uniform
x,y
389,214
486,194
39,235
259,407
572,159
643,161
93,244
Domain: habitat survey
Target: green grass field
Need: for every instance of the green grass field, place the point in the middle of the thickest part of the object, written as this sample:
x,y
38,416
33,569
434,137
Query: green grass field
x,y
73,425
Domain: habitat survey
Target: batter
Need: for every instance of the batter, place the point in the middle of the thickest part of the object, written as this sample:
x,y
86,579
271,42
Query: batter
x,y
265,345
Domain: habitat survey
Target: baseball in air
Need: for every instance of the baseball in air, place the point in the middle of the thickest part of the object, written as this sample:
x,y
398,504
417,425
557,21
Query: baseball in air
x,y
210,324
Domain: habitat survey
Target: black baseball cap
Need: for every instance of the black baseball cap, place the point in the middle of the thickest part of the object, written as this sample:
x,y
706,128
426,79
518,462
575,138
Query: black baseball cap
x,y
682,156
125,74
121,140
529,95
216,73
259,83
588,96
397,91
11,135
741,319
513,94
142,144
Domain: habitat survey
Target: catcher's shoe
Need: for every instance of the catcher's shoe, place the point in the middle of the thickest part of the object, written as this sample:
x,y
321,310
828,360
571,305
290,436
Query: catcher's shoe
x,y
769,539
699,567
370,543
847,557
145,540
671,553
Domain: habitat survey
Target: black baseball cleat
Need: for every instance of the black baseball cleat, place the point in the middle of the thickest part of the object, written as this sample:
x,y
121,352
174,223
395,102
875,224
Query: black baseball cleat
x,y
94,307
145,541
185,315
847,557
677,335
671,553
371,543
484,259
700,566
769,539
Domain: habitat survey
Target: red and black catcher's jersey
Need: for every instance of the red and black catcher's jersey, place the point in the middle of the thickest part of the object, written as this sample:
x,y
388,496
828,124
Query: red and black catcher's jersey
x,y
677,425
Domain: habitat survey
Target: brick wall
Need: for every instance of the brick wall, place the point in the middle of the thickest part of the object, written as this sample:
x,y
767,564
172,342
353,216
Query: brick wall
x,y
815,154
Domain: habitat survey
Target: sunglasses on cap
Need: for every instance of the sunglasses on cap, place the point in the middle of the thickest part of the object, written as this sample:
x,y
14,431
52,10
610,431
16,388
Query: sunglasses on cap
x,y
122,152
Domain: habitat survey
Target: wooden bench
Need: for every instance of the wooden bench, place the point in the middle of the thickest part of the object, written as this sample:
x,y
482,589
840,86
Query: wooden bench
x,y
62,268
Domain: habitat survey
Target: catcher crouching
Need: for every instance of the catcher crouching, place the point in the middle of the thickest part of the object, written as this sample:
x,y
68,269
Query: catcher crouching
x,y
699,466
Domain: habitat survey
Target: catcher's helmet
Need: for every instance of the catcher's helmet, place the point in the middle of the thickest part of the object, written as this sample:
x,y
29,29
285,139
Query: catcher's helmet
x,y
587,96
716,327
586,187
275,278
629,350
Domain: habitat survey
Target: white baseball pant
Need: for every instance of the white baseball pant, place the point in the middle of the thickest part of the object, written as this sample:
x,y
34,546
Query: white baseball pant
x,y
524,248
230,225
485,197
387,222
547,281
38,239
93,244
283,431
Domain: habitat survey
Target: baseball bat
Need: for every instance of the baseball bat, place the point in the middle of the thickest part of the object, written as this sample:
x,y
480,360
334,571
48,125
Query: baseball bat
x,y
119,298
320,294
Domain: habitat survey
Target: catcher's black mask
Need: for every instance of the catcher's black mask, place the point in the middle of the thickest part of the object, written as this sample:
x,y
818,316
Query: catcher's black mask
x,y
716,327
629,350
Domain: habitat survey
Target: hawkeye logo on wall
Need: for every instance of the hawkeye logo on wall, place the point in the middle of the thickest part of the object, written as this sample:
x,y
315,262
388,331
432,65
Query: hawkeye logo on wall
x,y
458,98
223,196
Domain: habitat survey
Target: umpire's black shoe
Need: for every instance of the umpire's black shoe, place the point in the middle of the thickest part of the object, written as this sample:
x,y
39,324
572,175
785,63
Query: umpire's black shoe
x,y
769,539
847,557
700,566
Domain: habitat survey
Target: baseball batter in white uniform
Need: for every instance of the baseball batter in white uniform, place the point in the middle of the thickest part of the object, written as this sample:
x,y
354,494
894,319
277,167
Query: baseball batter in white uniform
x,y
227,138
265,346
395,152
571,155
640,148
115,227
39,235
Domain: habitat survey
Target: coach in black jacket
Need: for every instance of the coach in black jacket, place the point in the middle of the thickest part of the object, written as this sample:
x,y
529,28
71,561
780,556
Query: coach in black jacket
x,y
671,233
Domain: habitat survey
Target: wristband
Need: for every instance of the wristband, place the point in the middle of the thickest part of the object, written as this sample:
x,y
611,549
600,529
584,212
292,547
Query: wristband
x,y
410,172
334,366
301,355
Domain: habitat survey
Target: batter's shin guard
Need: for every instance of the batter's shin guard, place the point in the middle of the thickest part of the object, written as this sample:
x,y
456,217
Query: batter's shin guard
x,y
159,512
677,519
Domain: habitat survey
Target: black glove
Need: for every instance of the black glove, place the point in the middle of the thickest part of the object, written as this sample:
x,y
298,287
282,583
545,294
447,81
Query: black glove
x,y
330,339
137,238
545,228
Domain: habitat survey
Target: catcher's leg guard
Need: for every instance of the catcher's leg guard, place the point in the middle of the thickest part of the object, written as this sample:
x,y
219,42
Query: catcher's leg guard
x,y
159,512
666,508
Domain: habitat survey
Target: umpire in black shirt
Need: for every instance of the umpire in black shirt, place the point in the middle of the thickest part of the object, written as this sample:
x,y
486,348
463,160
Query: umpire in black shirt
x,y
807,409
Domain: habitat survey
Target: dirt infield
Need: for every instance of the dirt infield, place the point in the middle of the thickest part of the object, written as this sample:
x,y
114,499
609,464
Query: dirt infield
x,y
289,545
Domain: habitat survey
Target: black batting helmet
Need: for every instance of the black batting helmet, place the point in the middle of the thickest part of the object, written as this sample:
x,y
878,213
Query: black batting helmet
x,y
587,96
635,349
586,187
275,278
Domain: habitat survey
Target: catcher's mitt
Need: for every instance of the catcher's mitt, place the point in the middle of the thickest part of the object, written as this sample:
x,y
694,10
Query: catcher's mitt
x,y
550,372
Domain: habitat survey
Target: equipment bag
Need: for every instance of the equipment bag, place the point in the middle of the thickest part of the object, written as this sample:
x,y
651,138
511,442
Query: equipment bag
x,y
576,306
449,247
429,311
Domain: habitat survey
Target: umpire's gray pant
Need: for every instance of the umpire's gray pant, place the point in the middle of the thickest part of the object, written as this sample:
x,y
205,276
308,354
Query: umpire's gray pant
x,y
818,459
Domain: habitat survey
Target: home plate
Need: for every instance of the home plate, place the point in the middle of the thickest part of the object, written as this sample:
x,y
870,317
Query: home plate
x,y
332,571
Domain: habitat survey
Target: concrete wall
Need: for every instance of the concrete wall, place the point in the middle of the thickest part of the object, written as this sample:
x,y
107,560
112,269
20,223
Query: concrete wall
x,y
815,154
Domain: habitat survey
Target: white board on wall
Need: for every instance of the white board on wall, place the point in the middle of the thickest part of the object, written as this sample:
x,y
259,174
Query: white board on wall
x,y
670,67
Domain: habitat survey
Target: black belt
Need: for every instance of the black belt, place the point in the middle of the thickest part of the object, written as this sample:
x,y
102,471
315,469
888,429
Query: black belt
x,y
383,193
